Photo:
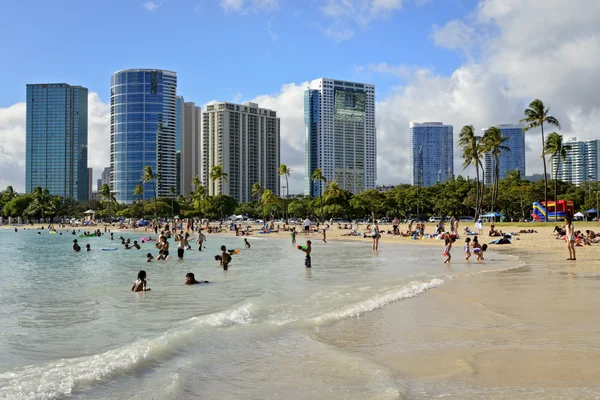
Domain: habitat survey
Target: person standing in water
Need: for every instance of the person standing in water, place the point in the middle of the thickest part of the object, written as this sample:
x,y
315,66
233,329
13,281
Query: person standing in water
x,y
293,234
467,248
225,258
307,250
246,243
201,239
570,238
375,234
447,249
182,240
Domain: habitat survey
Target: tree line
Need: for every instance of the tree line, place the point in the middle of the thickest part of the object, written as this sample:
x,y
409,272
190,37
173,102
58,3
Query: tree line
x,y
512,196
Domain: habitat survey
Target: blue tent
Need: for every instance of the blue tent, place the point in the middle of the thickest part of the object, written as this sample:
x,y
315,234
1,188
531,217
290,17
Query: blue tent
x,y
491,215
592,211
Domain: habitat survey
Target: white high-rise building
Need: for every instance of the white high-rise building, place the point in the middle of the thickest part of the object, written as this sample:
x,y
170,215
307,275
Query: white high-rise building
x,y
244,139
340,135
191,146
581,163
432,153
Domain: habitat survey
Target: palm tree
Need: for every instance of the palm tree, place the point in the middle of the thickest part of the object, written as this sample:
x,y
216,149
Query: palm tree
x,y
217,174
105,194
138,190
257,190
285,171
535,116
492,142
149,176
199,197
8,194
195,182
268,200
172,194
42,201
556,148
469,143
333,193
317,176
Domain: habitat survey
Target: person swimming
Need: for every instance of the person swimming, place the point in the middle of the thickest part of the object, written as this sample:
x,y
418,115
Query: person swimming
x,y
88,247
191,280
149,257
76,247
140,284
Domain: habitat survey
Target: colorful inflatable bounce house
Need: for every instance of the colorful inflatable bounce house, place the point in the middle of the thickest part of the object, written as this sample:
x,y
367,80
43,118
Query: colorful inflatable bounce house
x,y
555,211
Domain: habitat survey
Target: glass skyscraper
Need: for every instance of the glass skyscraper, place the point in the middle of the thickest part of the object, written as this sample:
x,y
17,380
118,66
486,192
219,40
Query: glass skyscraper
x,y
340,135
432,153
143,131
56,139
513,160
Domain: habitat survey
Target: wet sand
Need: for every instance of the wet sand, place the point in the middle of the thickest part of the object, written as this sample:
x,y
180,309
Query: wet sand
x,y
531,332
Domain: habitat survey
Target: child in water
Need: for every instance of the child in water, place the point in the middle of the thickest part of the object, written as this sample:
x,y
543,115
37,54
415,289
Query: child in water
x,y
149,257
480,251
293,235
447,249
88,247
246,243
307,250
225,258
191,280
468,248
140,284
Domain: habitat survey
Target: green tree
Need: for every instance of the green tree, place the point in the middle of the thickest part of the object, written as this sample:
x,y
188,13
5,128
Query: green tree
x,y
257,190
218,174
195,182
17,205
318,176
492,143
106,196
535,116
138,191
148,175
370,201
7,195
555,147
472,151
199,197
269,201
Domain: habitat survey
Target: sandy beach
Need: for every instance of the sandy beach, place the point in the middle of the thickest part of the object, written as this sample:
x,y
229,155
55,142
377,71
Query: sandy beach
x,y
529,332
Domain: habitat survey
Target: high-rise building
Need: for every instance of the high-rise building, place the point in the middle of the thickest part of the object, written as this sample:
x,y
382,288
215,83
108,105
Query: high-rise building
x,y
105,177
90,182
143,131
56,152
244,139
340,135
98,184
432,153
191,138
513,160
581,163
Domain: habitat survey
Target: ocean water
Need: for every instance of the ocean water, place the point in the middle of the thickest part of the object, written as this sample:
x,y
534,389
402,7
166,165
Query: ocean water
x,y
71,327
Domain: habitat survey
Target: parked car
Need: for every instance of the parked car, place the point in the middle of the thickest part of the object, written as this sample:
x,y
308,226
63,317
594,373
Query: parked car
x,y
435,219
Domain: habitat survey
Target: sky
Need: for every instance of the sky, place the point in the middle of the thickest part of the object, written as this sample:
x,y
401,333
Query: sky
x,y
475,62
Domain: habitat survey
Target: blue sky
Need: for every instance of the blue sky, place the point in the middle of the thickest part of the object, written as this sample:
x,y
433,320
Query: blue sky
x,y
461,62
217,53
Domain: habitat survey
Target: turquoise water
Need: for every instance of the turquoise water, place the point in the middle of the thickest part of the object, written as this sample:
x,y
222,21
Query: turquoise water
x,y
72,328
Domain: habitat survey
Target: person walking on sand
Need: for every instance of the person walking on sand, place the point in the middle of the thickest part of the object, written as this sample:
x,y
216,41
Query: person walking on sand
x,y
452,223
375,234
306,226
479,226
570,238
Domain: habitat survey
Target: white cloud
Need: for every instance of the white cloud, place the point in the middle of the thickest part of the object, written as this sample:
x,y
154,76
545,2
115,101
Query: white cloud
x,y
454,35
346,14
401,71
151,6
12,141
248,6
